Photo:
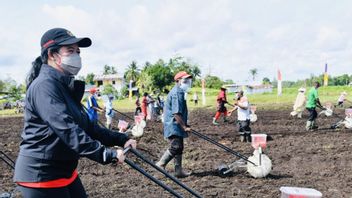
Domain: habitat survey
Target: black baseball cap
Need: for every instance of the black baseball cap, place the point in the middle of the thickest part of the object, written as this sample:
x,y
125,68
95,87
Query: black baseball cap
x,y
60,37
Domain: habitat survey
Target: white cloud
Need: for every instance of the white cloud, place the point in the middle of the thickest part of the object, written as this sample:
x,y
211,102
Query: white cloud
x,y
229,37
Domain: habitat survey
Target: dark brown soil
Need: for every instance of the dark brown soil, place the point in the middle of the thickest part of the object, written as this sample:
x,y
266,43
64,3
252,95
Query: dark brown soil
x,y
321,159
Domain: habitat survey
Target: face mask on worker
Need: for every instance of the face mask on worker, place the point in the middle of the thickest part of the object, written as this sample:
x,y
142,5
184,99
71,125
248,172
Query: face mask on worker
x,y
71,64
185,84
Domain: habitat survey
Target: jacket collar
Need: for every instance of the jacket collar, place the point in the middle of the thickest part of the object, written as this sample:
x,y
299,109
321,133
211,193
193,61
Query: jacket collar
x,y
57,75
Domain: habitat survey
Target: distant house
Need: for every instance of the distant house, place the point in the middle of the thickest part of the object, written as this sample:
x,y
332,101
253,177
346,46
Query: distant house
x,y
250,89
118,82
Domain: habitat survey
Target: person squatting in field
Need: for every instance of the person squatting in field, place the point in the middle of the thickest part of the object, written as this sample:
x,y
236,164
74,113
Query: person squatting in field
x,y
313,102
299,105
175,123
221,109
243,116
57,130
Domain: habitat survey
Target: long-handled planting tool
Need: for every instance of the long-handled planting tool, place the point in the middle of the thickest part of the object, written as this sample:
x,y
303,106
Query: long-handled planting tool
x,y
7,160
258,165
155,180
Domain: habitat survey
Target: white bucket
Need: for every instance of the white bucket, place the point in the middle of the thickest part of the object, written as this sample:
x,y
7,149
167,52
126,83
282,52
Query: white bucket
x,y
295,192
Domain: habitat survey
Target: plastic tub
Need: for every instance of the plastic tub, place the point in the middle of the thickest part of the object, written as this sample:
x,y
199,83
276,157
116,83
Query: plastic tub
x,y
295,192
259,140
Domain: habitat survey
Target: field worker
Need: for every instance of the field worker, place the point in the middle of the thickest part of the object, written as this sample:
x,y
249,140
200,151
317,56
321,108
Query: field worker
x,y
138,106
175,123
92,105
57,130
312,103
195,98
299,105
109,112
243,112
145,105
341,99
221,101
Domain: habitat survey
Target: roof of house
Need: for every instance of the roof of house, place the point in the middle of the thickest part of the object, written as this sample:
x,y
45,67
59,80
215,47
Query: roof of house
x,y
108,77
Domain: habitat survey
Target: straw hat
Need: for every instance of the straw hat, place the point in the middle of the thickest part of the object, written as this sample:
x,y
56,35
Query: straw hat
x,y
344,93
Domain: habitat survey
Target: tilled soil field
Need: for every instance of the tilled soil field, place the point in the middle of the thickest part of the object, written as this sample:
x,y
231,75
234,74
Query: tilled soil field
x,y
320,159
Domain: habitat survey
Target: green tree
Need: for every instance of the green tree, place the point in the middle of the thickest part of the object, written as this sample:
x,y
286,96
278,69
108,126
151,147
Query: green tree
x,y
213,82
266,81
179,63
2,85
109,89
132,72
90,78
109,70
254,73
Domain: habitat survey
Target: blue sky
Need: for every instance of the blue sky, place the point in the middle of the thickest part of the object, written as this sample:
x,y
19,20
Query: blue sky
x,y
226,37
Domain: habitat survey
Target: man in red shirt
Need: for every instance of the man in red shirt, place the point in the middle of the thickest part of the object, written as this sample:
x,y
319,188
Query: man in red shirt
x,y
221,100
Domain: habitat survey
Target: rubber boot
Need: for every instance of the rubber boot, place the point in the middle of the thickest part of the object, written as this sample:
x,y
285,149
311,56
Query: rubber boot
x,y
248,137
242,137
308,125
215,122
164,160
225,119
299,115
178,167
314,125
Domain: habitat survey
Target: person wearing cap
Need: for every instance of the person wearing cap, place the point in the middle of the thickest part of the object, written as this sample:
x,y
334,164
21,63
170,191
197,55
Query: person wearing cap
x,y
92,105
341,99
300,101
221,109
313,102
175,123
109,111
57,130
243,116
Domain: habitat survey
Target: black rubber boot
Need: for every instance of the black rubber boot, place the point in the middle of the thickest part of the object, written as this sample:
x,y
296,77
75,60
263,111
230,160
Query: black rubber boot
x,y
164,160
248,137
178,167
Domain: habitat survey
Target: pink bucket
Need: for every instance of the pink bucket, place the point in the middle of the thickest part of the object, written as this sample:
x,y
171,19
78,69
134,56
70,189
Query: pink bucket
x,y
122,125
348,112
253,109
258,140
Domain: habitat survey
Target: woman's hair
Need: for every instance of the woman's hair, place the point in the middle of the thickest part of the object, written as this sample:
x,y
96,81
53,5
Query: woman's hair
x,y
37,64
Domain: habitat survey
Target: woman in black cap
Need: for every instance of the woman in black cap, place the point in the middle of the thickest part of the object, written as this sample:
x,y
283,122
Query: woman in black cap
x,y
57,131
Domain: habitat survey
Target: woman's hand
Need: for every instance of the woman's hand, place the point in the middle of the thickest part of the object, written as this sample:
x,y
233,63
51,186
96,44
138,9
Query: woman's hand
x,y
120,156
131,142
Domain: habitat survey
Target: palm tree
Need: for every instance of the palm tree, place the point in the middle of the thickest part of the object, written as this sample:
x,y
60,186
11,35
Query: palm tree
x,y
132,72
253,72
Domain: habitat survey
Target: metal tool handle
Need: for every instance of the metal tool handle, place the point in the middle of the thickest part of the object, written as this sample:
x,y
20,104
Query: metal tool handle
x,y
7,160
227,149
143,172
139,155
127,116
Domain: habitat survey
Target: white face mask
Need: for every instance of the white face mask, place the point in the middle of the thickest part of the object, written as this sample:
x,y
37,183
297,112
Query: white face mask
x,y
71,64
186,84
